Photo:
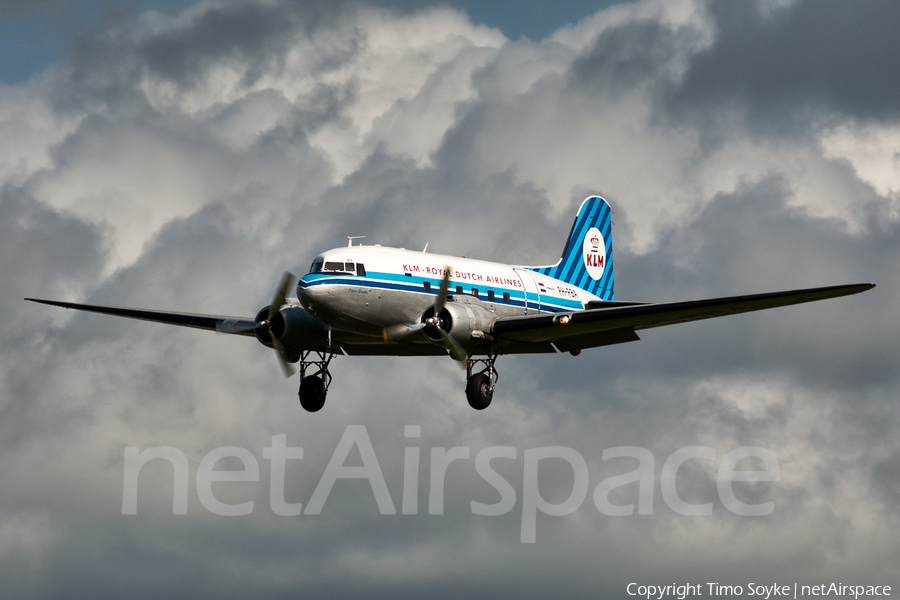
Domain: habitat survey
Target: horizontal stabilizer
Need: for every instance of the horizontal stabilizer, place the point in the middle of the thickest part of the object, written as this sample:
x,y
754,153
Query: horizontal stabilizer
x,y
610,304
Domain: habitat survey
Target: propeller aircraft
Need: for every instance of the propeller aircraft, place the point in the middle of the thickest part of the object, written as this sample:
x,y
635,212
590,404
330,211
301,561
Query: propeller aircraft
x,y
374,300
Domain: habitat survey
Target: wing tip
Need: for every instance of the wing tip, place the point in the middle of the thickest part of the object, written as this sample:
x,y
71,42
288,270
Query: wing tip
x,y
39,300
861,287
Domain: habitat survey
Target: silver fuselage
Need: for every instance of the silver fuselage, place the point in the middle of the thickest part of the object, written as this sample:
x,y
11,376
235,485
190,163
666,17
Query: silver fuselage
x,y
363,289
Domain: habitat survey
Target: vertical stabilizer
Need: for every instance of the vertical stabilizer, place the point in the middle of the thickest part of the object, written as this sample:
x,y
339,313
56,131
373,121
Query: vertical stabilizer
x,y
587,260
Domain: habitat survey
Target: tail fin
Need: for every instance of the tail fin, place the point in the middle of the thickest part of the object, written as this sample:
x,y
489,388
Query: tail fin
x,y
587,260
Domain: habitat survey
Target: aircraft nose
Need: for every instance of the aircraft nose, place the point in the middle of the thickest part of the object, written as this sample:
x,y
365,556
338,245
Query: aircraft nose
x,y
305,293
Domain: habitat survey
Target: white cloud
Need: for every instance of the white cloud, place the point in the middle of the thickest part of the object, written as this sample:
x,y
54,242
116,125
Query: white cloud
x,y
29,128
405,83
873,150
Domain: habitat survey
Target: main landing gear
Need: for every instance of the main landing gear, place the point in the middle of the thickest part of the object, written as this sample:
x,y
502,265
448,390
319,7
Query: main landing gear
x,y
313,388
480,386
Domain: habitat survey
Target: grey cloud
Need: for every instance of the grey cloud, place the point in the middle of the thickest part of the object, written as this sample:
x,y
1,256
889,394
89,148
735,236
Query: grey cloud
x,y
42,254
785,63
106,69
252,33
625,56
886,475
42,250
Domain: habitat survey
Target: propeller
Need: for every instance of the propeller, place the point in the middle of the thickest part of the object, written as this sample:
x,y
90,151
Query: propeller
x,y
442,292
277,301
266,324
392,333
282,358
457,352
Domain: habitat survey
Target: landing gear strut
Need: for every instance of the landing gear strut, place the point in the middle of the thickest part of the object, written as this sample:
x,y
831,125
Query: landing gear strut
x,y
480,386
313,388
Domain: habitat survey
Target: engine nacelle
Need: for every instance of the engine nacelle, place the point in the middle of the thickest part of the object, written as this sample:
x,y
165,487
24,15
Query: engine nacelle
x,y
467,323
295,328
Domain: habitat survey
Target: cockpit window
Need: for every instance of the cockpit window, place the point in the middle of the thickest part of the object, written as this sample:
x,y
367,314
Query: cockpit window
x,y
326,267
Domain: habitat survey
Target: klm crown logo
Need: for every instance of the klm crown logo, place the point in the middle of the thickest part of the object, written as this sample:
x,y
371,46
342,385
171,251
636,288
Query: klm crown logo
x,y
594,253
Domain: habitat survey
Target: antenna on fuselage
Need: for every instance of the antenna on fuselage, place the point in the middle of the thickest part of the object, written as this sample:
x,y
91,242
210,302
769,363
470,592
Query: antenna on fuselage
x,y
350,239
424,250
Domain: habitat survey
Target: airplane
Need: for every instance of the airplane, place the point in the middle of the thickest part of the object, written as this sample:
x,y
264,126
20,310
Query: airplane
x,y
374,300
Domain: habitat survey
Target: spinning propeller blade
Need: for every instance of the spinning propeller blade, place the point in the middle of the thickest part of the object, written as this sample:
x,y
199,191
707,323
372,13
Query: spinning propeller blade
x,y
282,358
280,295
266,325
457,352
442,292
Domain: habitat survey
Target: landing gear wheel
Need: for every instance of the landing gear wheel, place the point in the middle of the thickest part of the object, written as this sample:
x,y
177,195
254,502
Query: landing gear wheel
x,y
312,393
313,388
479,391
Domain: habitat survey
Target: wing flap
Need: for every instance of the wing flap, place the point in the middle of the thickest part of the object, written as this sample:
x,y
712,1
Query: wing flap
x,y
594,340
542,328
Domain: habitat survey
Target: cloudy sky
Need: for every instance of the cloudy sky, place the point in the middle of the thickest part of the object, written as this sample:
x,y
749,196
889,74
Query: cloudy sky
x,y
181,156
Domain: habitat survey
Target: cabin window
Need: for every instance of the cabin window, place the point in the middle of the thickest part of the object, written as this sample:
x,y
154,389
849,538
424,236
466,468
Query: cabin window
x,y
459,289
490,295
427,286
475,292
360,270
506,297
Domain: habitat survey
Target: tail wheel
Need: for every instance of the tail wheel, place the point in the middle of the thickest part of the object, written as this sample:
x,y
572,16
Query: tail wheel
x,y
479,391
312,393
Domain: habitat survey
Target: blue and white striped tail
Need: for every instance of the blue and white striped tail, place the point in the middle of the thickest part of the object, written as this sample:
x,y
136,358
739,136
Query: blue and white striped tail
x,y
587,260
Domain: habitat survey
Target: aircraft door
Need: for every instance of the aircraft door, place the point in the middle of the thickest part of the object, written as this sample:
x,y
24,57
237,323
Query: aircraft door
x,y
532,292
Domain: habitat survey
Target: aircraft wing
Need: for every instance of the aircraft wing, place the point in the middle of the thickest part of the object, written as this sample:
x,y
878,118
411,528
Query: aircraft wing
x,y
602,326
233,325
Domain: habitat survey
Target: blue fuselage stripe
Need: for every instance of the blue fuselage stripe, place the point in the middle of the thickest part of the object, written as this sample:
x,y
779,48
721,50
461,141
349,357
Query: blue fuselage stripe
x,y
390,281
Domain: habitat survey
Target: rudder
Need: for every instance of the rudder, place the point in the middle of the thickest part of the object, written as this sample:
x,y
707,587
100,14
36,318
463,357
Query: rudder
x,y
587,260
